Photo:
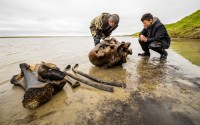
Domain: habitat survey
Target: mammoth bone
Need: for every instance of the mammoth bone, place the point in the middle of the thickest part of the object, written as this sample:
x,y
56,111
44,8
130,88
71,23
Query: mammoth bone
x,y
42,81
109,53
97,79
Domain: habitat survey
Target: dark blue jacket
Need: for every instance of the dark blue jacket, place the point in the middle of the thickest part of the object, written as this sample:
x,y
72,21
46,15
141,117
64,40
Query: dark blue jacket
x,y
156,32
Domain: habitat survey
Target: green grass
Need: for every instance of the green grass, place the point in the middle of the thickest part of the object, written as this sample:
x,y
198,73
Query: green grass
x,y
188,27
135,34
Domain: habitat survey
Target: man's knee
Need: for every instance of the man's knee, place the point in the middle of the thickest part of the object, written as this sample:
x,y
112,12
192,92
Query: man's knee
x,y
155,45
165,44
141,42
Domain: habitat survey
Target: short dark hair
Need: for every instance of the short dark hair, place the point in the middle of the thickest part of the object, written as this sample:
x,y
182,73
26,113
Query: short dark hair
x,y
147,16
115,18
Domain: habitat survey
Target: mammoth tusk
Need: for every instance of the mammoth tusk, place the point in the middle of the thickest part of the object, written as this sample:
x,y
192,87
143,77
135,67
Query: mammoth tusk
x,y
95,85
97,79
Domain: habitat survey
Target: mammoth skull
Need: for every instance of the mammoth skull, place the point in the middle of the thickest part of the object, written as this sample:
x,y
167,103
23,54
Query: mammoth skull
x,y
109,52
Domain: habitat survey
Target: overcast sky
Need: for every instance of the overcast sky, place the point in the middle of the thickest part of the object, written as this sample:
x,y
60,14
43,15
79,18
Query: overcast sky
x,y
72,17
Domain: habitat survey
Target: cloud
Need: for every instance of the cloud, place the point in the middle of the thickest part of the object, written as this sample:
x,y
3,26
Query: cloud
x,y
72,17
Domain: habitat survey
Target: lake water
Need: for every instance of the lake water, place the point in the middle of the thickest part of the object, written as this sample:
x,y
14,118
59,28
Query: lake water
x,y
157,92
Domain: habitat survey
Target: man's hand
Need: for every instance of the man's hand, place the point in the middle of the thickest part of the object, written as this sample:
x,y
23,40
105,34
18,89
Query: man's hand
x,y
107,38
143,38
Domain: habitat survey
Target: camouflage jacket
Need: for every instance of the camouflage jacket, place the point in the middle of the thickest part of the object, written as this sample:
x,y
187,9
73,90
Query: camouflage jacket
x,y
99,26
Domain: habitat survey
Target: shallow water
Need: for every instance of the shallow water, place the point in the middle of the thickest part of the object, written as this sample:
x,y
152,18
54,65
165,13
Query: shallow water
x,y
157,92
188,48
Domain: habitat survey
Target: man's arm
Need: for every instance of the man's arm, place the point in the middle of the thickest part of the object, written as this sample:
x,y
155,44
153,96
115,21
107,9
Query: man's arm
x,y
143,35
110,31
159,34
143,32
94,31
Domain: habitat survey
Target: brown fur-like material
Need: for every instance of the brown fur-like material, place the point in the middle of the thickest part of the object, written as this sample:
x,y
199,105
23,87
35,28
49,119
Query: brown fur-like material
x,y
109,53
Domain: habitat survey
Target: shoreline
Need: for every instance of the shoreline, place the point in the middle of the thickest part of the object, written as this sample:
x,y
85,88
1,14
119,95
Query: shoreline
x,y
82,36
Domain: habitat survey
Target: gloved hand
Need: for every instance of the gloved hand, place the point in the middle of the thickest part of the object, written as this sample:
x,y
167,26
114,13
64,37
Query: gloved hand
x,y
96,39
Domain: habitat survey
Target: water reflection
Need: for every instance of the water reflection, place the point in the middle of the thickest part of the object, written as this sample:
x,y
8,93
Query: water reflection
x,y
118,73
150,73
188,48
153,78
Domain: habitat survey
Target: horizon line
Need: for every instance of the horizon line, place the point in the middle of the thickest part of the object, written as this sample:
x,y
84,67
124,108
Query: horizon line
x,y
37,36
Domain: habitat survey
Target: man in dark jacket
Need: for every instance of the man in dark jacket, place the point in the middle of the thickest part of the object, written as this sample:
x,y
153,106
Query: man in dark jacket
x,y
153,36
103,25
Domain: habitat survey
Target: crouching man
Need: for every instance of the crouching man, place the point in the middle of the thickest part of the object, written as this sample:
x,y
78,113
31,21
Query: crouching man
x,y
153,36
103,25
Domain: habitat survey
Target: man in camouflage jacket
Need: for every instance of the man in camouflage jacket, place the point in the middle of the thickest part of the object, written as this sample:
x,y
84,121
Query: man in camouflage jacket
x,y
103,25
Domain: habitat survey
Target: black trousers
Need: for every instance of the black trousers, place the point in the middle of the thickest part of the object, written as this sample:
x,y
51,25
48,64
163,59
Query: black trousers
x,y
154,46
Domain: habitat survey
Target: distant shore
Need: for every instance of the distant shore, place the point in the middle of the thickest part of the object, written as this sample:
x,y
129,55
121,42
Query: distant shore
x,y
134,36
37,36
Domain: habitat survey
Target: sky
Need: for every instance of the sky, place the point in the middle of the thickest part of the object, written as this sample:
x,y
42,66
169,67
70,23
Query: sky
x,y
73,17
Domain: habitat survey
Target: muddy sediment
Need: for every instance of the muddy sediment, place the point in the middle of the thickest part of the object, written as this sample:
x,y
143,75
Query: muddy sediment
x,y
157,92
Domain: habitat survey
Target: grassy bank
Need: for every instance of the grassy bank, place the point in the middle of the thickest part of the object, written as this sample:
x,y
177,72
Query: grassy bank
x,y
188,27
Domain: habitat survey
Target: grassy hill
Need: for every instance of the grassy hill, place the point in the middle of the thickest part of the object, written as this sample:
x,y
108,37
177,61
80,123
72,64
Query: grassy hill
x,y
188,27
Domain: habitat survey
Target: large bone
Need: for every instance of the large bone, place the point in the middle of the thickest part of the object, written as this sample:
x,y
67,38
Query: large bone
x,y
95,85
37,93
97,79
46,73
74,83
109,53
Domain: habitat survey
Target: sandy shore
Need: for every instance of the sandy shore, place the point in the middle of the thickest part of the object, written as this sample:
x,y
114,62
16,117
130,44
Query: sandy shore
x,y
157,92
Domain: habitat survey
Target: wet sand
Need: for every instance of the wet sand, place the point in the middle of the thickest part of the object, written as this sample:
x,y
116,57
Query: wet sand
x,y
157,92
